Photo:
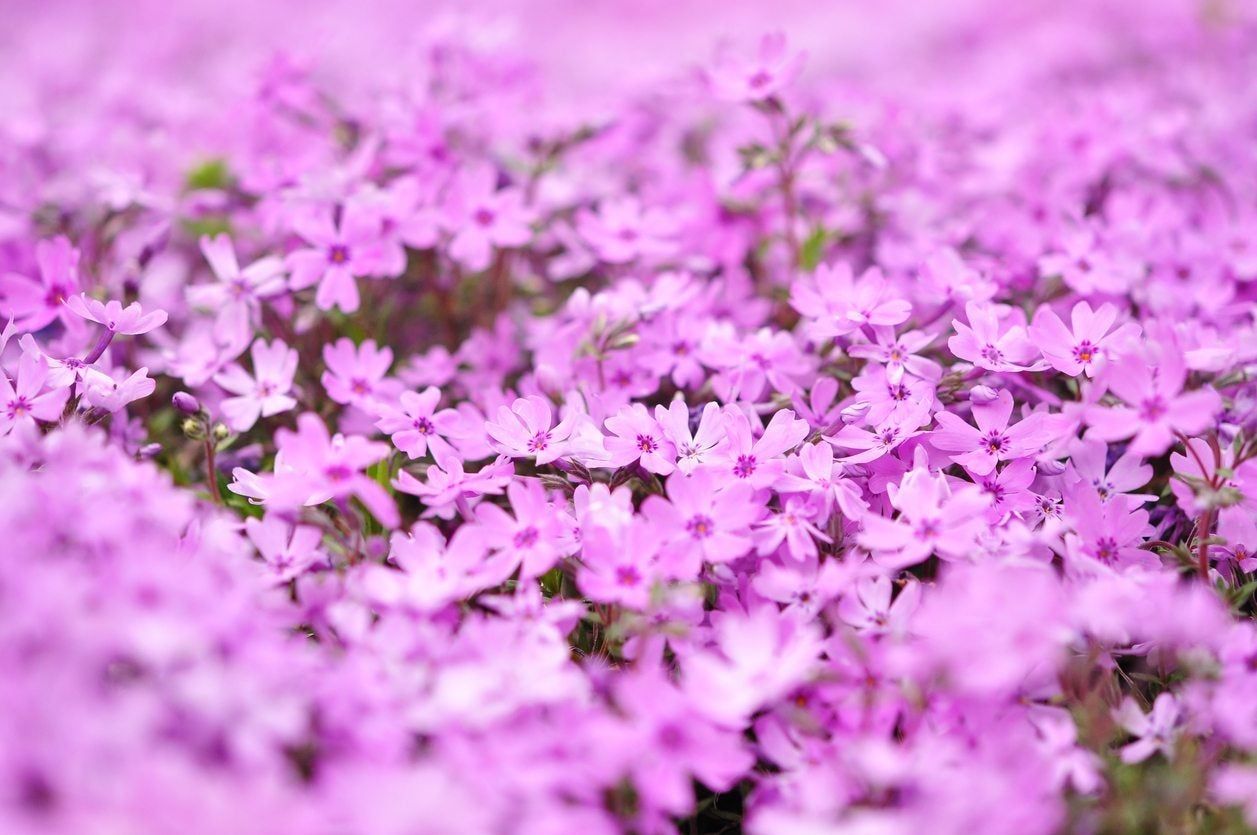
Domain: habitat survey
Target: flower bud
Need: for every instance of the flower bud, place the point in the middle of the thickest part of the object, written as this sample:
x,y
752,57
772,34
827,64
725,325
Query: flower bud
x,y
981,395
221,432
855,412
194,429
1050,466
185,403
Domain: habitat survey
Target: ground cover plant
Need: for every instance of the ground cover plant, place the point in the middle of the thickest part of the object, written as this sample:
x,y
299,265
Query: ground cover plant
x,y
565,418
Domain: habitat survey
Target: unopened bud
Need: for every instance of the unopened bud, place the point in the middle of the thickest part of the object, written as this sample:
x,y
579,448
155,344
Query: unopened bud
x,y
148,452
194,429
186,403
855,412
221,432
981,395
1050,466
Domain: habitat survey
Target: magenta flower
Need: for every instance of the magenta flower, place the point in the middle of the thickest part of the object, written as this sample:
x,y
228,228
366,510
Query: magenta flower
x,y
527,430
836,303
288,550
313,466
117,319
1155,405
869,609
416,423
532,535
33,303
704,518
1106,535
621,231
819,477
980,449
621,567
793,527
636,436
108,393
356,373
337,252
933,519
1085,346
993,340
27,398
898,354
237,294
1155,731
769,71
450,489
702,445
480,217
759,461
265,391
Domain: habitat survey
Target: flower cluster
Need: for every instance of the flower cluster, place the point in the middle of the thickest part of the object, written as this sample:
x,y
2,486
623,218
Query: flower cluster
x,y
783,445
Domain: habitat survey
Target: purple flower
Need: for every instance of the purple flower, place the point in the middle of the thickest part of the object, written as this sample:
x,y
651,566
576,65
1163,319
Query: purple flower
x,y
263,393
33,303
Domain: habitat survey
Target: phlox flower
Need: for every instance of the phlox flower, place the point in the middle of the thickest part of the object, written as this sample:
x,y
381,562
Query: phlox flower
x,y
237,293
117,319
622,230
705,518
836,303
416,423
993,440
288,550
673,743
110,394
621,565
526,430
993,340
1155,731
27,398
933,519
313,466
1088,461
758,461
1086,344
337,251
814,473
1155,407
636,436
898,354
1008,489
356,374
770,70
819,409
433,573
694,448
793,527
750,366
874,443
34,303
480,216
265,391
868,608
449,488
533,534
1106,535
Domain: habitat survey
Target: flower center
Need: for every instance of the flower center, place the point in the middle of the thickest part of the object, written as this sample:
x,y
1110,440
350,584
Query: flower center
x,y
700,526
526,538
744,466
645,443
338,253
539,442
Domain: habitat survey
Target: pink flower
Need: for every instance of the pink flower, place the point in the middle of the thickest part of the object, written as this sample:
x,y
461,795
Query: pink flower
x,y
868,608
1155,731
993,340
450,489
1084,348
117,319
791,526
526,430
288,550
933,519
35,303
898,354
237,294
621,230
819,477
621,566
263,393
312,466
1156,407
636,436
27,398
694,448
759,461
532,535
110,394
980,449
768,72
416,423
836,303
1106,535
481,217
356,373
336,253
705,518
